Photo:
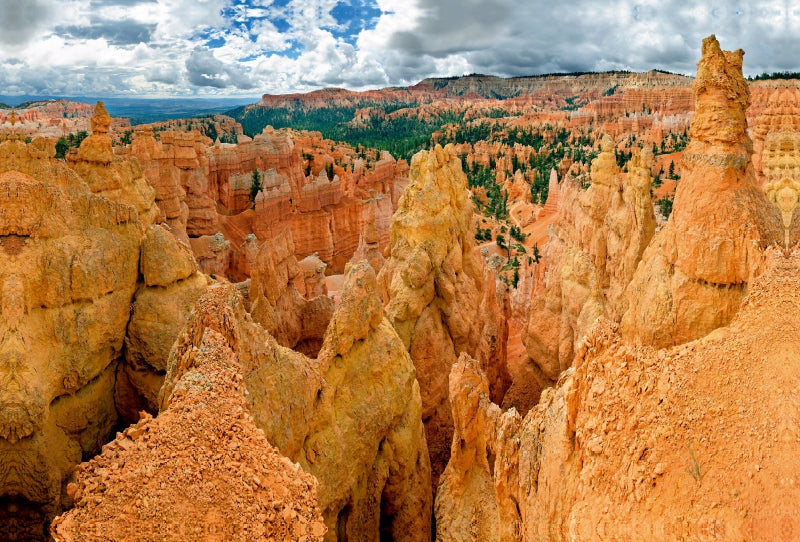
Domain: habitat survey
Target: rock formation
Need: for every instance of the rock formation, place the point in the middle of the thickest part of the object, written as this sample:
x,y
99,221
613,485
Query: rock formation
x,y
277,302
158,167
435,291
598,241
201,470
694,275
71,235
170,286
773,110
636,442
351,418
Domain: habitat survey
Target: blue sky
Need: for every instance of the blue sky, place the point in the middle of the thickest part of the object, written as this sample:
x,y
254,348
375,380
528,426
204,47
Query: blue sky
x,y
249,47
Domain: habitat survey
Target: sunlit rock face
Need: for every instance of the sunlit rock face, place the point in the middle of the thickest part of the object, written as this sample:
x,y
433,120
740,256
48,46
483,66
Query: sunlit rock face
x,y
643,437
695,273
436,294
69,269
70,236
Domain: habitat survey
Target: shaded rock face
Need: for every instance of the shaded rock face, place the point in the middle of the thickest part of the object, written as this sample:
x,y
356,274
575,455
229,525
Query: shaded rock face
x,y
694,275
276,300
351,417
200,470
70,241
170,285
599,239
436,294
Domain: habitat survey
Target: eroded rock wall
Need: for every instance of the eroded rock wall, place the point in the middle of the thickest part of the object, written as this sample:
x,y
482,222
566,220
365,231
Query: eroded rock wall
x,y
437,296
351,417
597,244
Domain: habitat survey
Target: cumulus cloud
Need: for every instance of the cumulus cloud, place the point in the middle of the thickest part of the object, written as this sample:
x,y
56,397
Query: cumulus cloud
x,y
253,46
21,21
205,70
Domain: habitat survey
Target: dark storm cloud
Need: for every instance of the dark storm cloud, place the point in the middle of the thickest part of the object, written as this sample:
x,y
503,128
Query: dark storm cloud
x,y
123,32
205,70
453,26
19,20
519,37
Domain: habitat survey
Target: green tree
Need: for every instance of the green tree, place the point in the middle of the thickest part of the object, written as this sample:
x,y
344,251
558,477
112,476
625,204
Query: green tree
x,y
255,185
536,254
501,243
62,146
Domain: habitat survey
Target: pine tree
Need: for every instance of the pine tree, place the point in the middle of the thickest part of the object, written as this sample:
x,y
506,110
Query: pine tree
x,y
255,185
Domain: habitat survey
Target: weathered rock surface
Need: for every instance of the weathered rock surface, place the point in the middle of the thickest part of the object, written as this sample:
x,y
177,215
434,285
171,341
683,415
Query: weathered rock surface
x,y
213,253
694,441
598,241
351,418
435,291
772,110
201,470
694,275
69,259
72,233
276,300
161,306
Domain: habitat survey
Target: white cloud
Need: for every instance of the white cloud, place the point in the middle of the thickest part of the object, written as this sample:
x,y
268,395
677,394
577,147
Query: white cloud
x,y
236,46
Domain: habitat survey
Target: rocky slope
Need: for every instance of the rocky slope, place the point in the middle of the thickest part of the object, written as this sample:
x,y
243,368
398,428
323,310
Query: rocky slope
x,y
72,234
697,418
201,470
351,417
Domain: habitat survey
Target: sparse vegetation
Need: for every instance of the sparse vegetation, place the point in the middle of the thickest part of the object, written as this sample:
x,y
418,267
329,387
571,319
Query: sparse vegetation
x,y
255,185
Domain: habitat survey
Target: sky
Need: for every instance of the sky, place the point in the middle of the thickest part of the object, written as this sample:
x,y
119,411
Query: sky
x,y
186,48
